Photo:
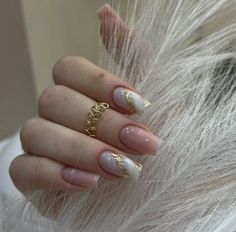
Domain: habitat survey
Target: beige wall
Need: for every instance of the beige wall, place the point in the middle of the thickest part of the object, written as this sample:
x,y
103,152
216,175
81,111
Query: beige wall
x,y
17,99
57,28
34,35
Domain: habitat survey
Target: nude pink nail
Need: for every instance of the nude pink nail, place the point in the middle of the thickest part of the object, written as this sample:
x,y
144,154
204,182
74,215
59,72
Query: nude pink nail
x,y
80,178
139,140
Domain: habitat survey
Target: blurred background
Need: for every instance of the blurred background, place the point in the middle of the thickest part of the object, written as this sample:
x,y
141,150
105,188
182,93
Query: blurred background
x,y
34,35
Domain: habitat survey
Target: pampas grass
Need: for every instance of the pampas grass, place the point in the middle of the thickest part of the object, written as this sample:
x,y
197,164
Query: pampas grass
x,y
189,74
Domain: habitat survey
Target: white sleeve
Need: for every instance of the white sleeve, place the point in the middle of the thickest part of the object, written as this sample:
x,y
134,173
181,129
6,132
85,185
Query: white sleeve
x,y
9,149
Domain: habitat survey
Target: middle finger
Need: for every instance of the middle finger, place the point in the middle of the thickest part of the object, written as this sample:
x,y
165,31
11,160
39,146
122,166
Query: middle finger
x,y
70,108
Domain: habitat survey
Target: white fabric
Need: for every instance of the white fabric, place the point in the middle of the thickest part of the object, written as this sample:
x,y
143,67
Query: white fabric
x,y
9,149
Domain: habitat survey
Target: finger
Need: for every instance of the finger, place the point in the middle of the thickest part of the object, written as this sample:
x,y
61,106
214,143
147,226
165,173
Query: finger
x,y
69,108
85,77
71,148
114,31
123,43
31,173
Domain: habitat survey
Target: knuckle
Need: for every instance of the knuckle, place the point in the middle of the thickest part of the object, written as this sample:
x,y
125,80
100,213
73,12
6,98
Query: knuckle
x,y
34,174
49,98
64,64
61,67
101,74
27,127
27,131
39,166
81,60
14,168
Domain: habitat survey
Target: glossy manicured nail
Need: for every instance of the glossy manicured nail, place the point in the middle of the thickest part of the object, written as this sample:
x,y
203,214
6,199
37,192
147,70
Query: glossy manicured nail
x,y
129,100
120,165
139,140
80,177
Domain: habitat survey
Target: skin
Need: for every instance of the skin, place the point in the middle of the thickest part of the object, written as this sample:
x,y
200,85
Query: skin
x,y
55,139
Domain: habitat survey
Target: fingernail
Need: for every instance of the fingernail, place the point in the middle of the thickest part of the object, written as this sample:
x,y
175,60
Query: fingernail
x,y
120,165
80,177
129,100
139,140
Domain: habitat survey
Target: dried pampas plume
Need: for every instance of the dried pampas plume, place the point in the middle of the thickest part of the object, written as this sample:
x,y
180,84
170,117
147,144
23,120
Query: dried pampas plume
x,y
180,55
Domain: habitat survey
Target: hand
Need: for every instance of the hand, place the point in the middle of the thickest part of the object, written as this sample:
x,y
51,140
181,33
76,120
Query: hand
x,y
59,152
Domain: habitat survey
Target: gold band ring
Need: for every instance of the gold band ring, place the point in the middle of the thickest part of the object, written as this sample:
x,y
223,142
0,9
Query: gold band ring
x,y
94,117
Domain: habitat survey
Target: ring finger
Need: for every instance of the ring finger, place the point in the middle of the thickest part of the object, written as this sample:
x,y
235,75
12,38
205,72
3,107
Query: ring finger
x,y
68,147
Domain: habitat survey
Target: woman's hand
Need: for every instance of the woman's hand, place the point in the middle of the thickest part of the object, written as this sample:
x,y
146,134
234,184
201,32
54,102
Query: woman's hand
x,y
60,153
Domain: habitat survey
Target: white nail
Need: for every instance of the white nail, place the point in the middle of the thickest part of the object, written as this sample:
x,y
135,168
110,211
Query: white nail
x,y
120,165
129,100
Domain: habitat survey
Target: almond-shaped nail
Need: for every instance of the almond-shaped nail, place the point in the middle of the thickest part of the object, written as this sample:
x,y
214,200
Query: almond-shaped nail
x,y
120,165
129,100
80,178
139,140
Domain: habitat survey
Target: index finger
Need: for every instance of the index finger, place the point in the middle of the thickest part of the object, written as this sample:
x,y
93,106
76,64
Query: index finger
x,y
79,74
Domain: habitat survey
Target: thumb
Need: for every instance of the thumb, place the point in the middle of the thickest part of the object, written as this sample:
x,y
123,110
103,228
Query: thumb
x,y
114,32
118,37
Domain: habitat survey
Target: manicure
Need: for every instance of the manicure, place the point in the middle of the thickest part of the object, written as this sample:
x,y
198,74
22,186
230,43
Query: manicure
x,y
80,178
139,140
120,165
129,100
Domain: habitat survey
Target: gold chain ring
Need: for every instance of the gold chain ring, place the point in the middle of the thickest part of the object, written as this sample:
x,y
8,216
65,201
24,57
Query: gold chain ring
x,y
94,117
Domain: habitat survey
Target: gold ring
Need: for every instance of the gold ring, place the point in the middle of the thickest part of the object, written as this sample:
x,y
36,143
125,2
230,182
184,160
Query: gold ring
x,y
94,117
